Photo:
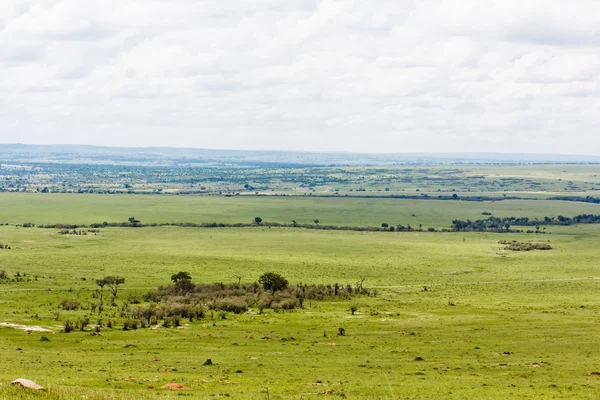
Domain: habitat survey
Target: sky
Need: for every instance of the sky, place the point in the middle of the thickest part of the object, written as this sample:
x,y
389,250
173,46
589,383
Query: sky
x,y
318,75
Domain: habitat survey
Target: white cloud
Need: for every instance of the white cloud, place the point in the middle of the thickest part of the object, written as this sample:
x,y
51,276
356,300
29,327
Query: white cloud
x,y
348,75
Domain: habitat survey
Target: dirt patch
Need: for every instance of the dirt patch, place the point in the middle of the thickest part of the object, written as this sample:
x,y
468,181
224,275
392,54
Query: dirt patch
x,y
174,386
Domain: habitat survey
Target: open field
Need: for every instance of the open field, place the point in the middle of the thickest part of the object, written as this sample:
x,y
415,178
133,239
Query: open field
x,y
492,323
18,208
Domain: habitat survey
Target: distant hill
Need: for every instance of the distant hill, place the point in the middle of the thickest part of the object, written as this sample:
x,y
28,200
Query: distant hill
x,y
80,154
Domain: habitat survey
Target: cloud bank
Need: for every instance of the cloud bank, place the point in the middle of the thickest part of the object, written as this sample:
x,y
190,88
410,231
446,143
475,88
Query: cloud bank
x,y
323,75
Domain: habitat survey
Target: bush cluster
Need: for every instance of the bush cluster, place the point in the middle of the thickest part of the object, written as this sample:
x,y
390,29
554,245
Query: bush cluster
x,y
525,246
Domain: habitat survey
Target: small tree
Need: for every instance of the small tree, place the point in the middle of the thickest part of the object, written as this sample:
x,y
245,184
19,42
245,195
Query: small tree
x,y
359,285
385,225
316,221
239,278
180,276
183,282
273,282
133,220
257,220
113,283
101,283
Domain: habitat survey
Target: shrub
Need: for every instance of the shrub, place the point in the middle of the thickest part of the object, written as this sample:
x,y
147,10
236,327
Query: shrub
x,y
130,324
235,305
70,305
287,304
175,321
83,323
69,326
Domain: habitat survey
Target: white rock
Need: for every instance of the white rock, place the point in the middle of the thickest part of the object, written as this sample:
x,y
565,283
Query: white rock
x,y
26,383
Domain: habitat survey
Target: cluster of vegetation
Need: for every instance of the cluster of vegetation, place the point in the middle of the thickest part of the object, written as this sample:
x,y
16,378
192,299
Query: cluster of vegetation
x,y
271,291
586,199
525,246
385,227
80,232
168,305
491,224
18,277
496,224
4,246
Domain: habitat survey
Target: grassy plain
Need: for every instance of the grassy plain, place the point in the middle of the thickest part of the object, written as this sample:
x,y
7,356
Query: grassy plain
x,y
491,324
18,208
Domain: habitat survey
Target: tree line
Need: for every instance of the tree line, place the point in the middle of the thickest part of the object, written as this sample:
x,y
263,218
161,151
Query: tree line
x,y
504,224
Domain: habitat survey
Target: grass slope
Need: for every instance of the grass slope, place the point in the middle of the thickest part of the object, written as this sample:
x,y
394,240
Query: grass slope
x,y
517,328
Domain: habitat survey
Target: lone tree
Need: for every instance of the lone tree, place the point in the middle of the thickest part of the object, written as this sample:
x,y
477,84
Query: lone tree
x,y
239,278
273,282
101,283
181,276
133,220
113,283
183,282
316,221
258,220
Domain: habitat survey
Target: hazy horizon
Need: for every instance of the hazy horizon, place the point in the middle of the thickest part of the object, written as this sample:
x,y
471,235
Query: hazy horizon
x,y
82,153
304,75
133,147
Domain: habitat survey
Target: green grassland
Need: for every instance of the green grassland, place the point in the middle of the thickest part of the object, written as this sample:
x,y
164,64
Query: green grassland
x,y
491,324
18,208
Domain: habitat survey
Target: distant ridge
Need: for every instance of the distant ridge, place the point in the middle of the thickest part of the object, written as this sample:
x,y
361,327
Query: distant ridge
x,y
165,156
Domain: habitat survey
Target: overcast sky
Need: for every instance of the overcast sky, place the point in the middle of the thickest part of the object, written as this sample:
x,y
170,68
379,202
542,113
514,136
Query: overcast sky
x,y
366,76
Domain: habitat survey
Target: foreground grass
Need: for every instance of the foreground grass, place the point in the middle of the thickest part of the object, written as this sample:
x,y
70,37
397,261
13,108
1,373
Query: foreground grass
x,y
521,324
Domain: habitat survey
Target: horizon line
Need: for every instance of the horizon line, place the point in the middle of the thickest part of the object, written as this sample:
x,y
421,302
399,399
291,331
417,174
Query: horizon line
x,y
341,152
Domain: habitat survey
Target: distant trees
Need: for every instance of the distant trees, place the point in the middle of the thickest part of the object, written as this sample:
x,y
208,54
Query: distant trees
x,y
133,221
496,224
273,282
257,220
